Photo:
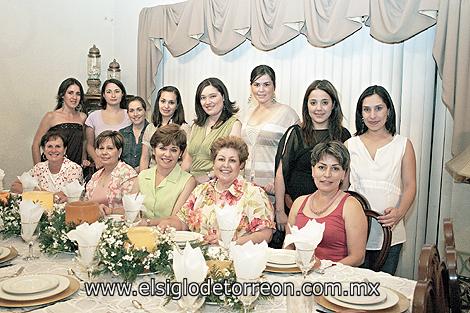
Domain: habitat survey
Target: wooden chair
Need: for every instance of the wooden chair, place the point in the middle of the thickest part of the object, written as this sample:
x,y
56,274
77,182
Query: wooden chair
x,y
387,232
431,292
455,300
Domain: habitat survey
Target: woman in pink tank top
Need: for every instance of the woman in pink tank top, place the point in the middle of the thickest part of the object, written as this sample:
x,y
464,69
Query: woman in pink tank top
x,y
345,235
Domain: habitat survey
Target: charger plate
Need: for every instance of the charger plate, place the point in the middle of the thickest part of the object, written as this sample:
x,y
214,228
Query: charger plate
x,y
273,268
402,305
4,252
63,284
13,254
73,287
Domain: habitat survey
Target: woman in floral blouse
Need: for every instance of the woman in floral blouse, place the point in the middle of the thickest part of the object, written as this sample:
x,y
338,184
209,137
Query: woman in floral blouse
x,y
115,179
229,155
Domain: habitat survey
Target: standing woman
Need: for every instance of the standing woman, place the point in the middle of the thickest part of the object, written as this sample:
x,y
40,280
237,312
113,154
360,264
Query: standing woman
x,y
322,119
133,134
112,116
215,118
67,119
383,169
266,122
168,109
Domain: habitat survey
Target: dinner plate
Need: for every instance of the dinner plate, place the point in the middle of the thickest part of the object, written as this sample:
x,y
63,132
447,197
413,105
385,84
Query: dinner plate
x,y
23,285
74,286
13,254
182,236
361,300
63,285
281,257
4,252
391,299
275,268
115,217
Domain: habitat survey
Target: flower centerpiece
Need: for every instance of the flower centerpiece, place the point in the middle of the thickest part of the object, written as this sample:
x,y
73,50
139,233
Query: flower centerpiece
x,y
53,236
121,256
10,215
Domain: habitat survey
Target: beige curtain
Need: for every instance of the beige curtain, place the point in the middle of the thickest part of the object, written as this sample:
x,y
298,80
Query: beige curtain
x,y
452,54
225,24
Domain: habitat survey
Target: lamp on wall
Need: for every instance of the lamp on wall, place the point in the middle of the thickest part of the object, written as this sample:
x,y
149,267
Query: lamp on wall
x,y
459,167
114,70
93,71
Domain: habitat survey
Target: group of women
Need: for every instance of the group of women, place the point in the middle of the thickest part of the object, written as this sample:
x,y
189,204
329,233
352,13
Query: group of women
x,y
271,167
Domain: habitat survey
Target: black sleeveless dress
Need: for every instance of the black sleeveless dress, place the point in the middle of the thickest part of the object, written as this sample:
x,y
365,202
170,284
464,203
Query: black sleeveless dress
x,y
74,135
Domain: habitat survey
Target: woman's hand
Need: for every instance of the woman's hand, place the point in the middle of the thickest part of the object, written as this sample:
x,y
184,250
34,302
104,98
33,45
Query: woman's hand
x,y
86,163
212,237
391,217
281,220
60,197
269,188
104,210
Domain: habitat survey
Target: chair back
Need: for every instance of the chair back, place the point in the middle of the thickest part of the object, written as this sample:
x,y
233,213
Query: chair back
x,y
424,298
387,232
455,300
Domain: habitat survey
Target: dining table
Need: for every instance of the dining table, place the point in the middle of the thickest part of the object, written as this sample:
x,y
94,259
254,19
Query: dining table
x,y
61,264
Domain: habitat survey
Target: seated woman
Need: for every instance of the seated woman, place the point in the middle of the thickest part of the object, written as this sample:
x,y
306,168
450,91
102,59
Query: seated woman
x,y
115,179
53,174
165,186
229,155
345,235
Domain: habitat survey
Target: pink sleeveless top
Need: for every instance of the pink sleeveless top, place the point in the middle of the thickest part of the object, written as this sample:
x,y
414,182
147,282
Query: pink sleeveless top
x,y
334,244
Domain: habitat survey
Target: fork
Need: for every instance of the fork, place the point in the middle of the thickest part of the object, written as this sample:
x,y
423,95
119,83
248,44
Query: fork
x,y
18,272
321,271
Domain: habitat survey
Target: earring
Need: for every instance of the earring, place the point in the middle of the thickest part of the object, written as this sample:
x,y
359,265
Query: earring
x,y
274,98
249,100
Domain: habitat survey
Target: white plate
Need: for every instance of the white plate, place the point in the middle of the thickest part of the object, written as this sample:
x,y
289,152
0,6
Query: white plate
x,y
281,266
64,283
281,257
373,299
391,299
24,285
4,252
115,217
182,236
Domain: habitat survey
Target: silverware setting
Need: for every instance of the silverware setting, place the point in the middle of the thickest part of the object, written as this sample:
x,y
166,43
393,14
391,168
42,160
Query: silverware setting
x,y
321,271
17,273
70,271
139,305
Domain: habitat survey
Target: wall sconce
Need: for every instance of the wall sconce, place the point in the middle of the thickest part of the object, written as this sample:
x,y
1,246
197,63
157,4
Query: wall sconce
x,y
459,167
93,71
114,70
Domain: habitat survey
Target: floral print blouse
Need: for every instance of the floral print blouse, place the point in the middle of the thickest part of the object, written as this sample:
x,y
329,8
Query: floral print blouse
x,y
257,213
69,171
121,183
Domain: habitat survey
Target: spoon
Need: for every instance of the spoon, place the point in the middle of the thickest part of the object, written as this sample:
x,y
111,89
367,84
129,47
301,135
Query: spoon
x,y
72,272
139,306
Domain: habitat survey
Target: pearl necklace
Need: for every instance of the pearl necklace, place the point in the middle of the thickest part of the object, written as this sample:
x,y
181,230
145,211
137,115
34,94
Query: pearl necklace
x,y
322,210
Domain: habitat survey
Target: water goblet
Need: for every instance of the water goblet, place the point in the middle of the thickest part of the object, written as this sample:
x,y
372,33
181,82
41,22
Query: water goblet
x,y
305,259
249,291
29,233
86,257
190,304
226,236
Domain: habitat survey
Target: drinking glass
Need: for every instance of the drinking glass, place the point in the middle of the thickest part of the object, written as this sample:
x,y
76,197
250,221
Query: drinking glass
x,y
86,257
250,291
190,304
29,233
226,236
305,259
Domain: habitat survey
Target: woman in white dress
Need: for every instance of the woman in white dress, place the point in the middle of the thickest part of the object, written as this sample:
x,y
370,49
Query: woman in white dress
x,y
267,120
383,169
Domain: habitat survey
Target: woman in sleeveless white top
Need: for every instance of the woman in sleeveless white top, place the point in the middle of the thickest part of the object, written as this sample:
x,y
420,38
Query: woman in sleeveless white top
x,y
262,128
383,168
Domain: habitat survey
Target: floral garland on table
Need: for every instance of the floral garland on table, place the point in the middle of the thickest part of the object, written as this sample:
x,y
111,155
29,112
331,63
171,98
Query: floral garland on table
x,y
10,215
53,232
119,257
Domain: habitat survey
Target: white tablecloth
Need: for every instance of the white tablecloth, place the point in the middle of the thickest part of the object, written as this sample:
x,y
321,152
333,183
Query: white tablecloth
x,y
79,302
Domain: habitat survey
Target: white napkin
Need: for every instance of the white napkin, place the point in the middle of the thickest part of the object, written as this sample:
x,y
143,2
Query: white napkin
x,y
73,190
2,175
28,182
228,219
189,264
30,212
249,259
308,237
87,235
133,204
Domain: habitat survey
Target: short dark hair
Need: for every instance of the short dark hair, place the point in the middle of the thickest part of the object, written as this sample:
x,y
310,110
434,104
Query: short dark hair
x,y
334,148
115,136
63,89
380,91
233,142
52,135
261,70
178,115
137,98
229,106
123,104
170,134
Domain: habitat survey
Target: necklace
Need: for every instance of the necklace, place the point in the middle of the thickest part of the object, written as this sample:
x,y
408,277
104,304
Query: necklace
x,y
217,190
323,210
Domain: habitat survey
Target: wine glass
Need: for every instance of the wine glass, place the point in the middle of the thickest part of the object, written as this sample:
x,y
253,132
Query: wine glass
x,y
250,291
226,236
190,304
86,257
29,233
305,259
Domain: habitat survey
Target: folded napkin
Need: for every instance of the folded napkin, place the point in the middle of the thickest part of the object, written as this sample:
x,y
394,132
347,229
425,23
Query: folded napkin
x,y
189,264
73,190
2,175
30,212
249,259
133,204
308,237
86,234
28,182
228,219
